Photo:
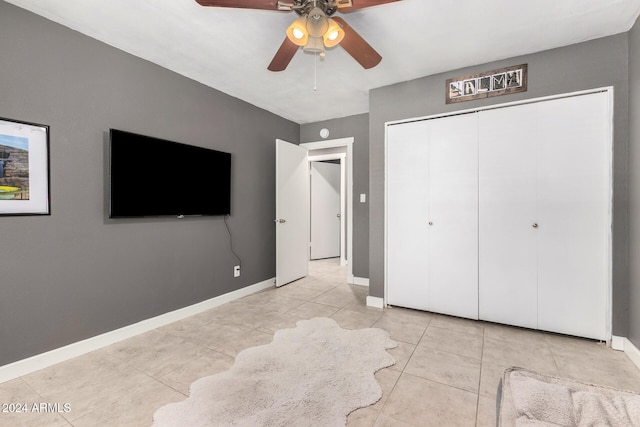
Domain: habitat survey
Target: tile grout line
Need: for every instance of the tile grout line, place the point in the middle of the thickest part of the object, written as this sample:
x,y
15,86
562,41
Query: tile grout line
x,y
480,378
403,370
553,355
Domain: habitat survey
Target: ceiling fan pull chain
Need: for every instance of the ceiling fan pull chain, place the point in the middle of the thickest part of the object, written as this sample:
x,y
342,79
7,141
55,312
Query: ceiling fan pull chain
x,y
315,71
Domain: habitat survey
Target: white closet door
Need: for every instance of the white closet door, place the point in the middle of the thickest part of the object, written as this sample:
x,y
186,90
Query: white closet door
x,y
406,233
507,216
453,216
573,206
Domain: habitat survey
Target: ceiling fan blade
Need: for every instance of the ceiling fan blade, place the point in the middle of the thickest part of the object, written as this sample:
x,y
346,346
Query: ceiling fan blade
x,y
357,47
242,4
283,56
361,4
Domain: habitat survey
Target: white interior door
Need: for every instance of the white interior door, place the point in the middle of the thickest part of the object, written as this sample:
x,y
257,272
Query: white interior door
x,y
292,212
325,210
453,215
507,216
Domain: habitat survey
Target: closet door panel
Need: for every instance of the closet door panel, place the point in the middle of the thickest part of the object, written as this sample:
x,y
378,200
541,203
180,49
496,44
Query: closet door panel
x,y
507,216
406,233
573,206
453,216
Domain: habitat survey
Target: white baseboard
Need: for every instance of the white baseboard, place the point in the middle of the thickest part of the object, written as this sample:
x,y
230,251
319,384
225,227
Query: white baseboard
x,y
375,302
44,360
617,343
361,281
632,351
623,344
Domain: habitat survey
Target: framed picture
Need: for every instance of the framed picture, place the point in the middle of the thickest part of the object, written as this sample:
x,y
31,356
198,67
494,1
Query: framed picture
x,y
24,168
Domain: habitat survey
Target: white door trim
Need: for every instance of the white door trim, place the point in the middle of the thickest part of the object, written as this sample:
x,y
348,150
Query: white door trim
x,y
348,143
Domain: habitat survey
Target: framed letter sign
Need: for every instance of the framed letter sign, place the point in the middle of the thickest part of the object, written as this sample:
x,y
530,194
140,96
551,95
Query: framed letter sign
x,y
484,85
24,168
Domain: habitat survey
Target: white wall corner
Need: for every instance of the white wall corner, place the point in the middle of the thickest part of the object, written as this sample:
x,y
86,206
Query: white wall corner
x,y
375,302
58,355
361,281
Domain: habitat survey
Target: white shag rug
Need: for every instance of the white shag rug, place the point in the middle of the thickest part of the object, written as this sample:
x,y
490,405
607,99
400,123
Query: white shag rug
x,y
528,399
312,375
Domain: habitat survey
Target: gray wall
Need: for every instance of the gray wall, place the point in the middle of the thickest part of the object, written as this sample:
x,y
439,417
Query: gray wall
x,y
75,274
596,63
634,185
357,127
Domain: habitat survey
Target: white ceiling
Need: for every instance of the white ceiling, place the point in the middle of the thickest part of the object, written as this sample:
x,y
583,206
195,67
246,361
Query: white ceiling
x,y
229,49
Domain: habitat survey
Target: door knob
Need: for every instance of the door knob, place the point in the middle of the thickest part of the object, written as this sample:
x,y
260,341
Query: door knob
x,y
281,221
534,225
338,215
430,222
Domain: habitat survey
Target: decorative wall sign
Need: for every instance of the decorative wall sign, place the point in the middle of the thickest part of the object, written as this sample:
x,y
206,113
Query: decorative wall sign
x,y
24,168
484,85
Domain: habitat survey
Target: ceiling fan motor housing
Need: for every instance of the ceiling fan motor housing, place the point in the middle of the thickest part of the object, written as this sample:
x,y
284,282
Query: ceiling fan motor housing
x,y
328,7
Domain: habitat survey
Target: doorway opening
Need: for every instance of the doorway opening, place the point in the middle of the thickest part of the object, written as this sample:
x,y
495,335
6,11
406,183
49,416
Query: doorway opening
x,y
327,208
340,152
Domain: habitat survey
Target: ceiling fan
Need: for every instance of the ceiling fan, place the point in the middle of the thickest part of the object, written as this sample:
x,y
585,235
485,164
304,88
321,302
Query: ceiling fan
x,y
314,29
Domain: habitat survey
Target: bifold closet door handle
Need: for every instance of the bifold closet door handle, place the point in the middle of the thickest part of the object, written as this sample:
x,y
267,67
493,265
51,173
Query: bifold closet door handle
x,y
281,221
534,225
430,222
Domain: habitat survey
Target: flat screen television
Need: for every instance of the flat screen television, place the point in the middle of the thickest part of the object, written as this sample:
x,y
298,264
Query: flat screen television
x,y
156,177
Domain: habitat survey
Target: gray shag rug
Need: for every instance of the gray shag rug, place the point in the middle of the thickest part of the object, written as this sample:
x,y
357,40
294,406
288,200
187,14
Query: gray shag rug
x,y
312,375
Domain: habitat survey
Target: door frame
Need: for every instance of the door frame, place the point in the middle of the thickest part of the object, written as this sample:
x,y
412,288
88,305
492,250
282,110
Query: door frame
x,y
348,211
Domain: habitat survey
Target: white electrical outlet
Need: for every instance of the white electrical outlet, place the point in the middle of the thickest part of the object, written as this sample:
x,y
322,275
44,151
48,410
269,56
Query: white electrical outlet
x,y
236,271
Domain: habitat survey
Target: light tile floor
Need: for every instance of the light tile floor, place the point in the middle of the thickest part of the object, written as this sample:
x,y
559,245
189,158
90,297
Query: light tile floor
x,y
446,374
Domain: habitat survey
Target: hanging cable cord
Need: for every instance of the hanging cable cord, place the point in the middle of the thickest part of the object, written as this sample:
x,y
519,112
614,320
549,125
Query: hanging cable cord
x,y
224,218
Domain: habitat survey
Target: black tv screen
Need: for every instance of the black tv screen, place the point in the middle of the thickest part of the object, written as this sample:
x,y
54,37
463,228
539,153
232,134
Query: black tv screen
x,y
156,177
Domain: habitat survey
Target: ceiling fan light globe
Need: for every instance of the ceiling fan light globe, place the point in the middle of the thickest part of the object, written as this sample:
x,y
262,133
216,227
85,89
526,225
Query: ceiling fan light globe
x,y
317,23
314,45
334,34
297,32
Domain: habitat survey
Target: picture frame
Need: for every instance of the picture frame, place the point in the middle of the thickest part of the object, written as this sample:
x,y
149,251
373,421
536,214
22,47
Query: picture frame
x,y
24,168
